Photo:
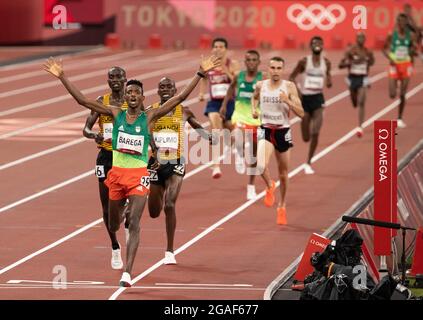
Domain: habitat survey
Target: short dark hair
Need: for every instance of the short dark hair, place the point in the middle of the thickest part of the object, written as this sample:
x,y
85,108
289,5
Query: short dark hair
x,y
316,38
220,40
253,52
402,15
277,58
135,82
118,68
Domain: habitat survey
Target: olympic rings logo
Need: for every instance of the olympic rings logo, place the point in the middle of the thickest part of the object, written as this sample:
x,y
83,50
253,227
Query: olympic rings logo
x,y
316,15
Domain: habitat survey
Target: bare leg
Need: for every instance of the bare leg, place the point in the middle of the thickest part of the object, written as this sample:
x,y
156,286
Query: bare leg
x,y
361,103
104,197
216,123
264,150
316,124
173,187
305,127
155,200
403,91
282,159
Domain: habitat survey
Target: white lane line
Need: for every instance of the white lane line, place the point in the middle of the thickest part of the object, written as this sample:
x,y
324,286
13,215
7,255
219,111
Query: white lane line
x,y
103,87
152,268
204,284
71,66
88,75
76,282
261,195
84,112
42,153
20,65
52,245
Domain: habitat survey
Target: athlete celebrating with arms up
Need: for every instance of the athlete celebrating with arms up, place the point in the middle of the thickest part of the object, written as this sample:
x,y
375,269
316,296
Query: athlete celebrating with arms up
x,y
129,177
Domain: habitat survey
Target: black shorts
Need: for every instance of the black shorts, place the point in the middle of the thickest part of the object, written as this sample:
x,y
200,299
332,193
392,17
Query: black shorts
x,y
103,164
280,138
165,171
355,82
312,102
216,104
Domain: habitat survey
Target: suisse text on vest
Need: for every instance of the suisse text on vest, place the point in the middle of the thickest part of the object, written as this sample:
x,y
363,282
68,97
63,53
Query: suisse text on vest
x,y
383,157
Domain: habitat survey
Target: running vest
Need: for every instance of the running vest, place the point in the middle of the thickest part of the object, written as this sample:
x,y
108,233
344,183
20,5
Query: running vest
x,y
130,142
168,133
245,90
274,112
219,83
358,69
313,77
105,124
400,47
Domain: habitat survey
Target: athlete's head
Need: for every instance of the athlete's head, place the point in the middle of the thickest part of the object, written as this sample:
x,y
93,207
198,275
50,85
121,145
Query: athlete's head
x,y
316,44
166,89
407,9
219,47
116,77
402,21
276,66
360,39
134,93
252,60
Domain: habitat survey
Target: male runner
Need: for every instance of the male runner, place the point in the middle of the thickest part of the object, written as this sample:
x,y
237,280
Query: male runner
x,y
277,98
116,80
358,60
129,177
400,48
243,84
219,80
167,165
315,70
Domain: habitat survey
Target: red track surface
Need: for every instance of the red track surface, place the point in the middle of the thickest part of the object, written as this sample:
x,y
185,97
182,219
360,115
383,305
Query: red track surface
x,y
248,249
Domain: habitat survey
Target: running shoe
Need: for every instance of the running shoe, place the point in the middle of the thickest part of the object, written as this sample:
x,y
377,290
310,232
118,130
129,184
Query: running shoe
x,y
360,132
239,164
401,124
308,169
216,173
269,198
281,216
116,261
125,281
251,192
169,258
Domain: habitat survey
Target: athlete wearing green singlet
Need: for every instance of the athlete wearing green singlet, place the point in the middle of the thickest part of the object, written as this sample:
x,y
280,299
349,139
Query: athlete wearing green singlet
x,y
245,125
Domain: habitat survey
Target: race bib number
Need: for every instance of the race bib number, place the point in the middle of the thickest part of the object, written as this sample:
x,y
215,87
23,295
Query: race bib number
x,y
107,131
218,91
401,53
166,140
179,169
359,69
153,175
314,82
99,172
145,182
129,143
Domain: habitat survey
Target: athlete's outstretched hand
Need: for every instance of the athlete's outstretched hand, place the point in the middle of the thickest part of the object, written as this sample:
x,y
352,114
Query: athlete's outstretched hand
x,y
54,67
210,63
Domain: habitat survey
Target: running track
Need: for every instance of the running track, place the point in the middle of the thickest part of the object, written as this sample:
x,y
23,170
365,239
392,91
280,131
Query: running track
x,y
228,248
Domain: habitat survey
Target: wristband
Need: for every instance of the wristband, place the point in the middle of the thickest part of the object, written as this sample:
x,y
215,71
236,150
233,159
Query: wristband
x,y
202,75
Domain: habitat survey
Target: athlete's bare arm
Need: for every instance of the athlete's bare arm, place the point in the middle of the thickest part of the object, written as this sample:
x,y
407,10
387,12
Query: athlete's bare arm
x,y
206,65
255,99
56,69
292,99
229,95
203,88
386,48
299,68
413,46
371,57
193,122
328,74
346,60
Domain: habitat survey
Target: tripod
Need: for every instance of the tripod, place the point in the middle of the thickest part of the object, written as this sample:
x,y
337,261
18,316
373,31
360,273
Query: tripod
x,y
388,225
